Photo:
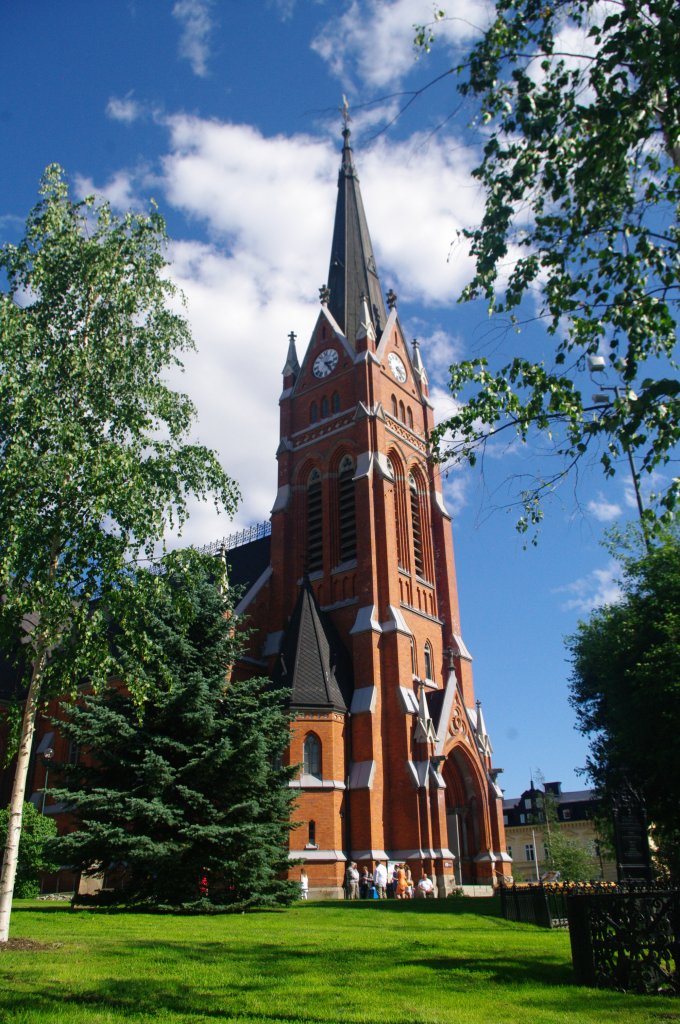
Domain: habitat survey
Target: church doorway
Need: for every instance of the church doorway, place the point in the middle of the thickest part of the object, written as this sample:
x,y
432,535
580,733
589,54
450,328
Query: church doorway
x,y
466,818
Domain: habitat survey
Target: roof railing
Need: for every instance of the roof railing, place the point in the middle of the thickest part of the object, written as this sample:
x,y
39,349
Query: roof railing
x,y
238,539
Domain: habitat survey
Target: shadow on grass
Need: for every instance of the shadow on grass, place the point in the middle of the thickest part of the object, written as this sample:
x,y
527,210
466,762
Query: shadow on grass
x,y
488,906
64,907
484,906
301,982
266,982
263,982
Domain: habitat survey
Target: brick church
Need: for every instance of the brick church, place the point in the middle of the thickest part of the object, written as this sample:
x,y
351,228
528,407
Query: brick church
x,y
353,604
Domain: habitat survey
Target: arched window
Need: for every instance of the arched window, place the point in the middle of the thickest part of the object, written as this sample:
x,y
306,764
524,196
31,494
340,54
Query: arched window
x,y
428,661
346,510
416,527
335,402
324,407
312,756
414,662
409,416
314,523
400,520
394,407
402,413
311,833
313,413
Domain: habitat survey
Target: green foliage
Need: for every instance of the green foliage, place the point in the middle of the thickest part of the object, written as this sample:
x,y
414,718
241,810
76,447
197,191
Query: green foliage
x,y
186,787
34,857
625,689
577,102
565,854
95,458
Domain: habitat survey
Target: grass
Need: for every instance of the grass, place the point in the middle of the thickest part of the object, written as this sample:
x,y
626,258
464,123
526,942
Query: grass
x,y
443,962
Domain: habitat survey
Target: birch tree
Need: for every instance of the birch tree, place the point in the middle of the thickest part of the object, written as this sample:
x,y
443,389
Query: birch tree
x,y
96,458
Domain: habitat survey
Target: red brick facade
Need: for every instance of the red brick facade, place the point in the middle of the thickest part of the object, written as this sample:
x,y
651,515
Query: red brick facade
x,y
405,772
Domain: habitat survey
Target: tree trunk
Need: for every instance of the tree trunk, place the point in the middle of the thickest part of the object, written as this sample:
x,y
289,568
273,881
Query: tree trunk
x,y
16,807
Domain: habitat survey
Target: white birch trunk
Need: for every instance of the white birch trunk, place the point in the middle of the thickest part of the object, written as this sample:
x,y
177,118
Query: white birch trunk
x,y
16,807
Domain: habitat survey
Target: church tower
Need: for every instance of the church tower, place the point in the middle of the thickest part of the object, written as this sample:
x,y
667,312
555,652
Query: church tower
x,y
357,615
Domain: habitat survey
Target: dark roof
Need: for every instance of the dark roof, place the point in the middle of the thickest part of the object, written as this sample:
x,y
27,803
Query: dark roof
x,y
580,804
247,562
313,664
352,272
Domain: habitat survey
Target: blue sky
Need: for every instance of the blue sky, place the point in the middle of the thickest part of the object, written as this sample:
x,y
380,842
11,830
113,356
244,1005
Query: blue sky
x,y
227,114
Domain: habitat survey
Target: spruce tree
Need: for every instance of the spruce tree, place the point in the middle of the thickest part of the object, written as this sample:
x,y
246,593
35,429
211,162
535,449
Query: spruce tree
x,y
184,796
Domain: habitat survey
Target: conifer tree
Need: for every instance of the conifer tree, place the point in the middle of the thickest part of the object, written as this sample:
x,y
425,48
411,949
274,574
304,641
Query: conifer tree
x,y
183,795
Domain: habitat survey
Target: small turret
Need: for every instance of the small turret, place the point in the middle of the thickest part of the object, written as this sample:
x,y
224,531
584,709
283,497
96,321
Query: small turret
x,y
292,366
419,368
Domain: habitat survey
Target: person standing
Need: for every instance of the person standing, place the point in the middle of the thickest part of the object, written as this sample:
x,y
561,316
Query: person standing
x,y
352,881
304,884
380,879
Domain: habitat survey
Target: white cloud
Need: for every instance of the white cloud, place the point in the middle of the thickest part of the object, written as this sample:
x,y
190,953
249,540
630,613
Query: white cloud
x,y
121,190
418,194
456,490
194,44
234,180
125,109
371,43
265,207
599,587
603,510
444,404
440,350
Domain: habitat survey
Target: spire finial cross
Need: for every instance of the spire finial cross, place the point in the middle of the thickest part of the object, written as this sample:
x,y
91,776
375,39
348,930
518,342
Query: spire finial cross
x,y
291,337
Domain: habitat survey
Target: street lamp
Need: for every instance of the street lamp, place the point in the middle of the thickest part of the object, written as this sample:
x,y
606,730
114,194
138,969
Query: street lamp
x,y
47,757
596,364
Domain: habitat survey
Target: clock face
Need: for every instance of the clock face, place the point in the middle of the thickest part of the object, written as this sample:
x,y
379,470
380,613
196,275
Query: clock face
x,y
397,367
325,362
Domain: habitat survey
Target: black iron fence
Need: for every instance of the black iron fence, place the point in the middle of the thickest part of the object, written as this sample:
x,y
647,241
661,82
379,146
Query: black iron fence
x,y
535,903
627,939
624,936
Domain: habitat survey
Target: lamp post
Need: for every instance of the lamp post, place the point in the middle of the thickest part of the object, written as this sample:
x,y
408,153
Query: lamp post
x,y
596,364
47,757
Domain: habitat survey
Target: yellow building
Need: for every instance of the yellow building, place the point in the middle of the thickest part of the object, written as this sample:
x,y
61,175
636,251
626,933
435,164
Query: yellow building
x,y
528,834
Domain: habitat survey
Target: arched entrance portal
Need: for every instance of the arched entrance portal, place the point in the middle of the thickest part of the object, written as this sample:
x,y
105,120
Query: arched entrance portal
x,y
467,816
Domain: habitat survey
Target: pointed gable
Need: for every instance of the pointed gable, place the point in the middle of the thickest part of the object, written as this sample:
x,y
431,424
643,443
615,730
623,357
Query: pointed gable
x,y
313,664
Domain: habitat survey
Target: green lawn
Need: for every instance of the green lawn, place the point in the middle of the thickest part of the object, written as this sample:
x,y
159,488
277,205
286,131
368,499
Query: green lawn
x,y
409,963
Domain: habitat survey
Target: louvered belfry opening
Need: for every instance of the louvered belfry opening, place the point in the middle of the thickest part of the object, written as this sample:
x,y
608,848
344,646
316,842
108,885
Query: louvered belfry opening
x,y
347,511
314,523
416,529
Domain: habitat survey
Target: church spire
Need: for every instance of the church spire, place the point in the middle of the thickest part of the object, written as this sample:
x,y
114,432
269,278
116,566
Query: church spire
x,y
352,274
